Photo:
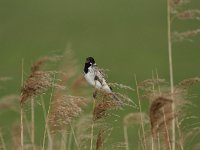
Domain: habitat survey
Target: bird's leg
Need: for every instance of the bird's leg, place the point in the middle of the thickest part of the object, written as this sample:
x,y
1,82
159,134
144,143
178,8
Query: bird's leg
x,y
95,94
95,91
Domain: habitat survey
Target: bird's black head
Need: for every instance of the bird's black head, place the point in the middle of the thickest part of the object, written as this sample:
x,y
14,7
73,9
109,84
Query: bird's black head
x,y
89,62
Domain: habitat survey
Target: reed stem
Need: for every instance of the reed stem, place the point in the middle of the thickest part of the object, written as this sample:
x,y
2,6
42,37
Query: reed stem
x,y
2,141
126,137
92,127
46,116
171,71
73,133
32,122
141,117
21,111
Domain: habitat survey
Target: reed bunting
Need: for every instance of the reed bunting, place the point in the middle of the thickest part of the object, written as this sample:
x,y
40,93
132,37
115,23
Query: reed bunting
x,y
95,77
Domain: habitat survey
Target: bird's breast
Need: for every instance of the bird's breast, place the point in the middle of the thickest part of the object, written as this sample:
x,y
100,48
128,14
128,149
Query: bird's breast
x,y
90,78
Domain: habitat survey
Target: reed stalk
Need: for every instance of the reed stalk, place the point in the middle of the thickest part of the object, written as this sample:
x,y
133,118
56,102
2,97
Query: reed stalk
x,y
126,138
21,111
47,130
2,142
141,117
70,141
46,116
171,72
73,133
92,127
32,123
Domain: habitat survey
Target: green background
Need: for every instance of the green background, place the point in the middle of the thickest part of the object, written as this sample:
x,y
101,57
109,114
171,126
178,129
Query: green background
x,y
126,36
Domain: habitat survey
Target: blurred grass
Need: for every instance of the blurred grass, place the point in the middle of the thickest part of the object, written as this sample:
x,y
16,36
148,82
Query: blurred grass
x,y
127,37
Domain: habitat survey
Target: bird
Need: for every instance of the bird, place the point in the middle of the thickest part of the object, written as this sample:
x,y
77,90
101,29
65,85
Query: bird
x,y
96,78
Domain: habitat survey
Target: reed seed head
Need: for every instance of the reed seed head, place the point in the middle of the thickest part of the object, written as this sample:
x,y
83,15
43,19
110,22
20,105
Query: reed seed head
x,y
65,109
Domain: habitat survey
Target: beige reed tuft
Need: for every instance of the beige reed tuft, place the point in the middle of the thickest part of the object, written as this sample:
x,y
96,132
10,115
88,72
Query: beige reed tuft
x,y
64,109
39,81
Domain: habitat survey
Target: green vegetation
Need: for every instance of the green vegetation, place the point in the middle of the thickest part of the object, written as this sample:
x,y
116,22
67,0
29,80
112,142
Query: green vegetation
x,y
135,40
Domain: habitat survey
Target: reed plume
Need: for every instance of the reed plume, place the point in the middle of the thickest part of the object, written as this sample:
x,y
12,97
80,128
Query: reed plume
x,y
65,109
101,108
135,118
160,113
188,82
67,104
38,81
9,102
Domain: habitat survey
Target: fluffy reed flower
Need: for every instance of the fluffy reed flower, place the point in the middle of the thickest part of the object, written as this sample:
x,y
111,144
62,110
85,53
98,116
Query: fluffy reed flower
x,y
188,82
101,108
104,104
38,81
144,85
186,35
135,118
7,102
121,86
65,109
5,78
160,113
189,14
177,3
